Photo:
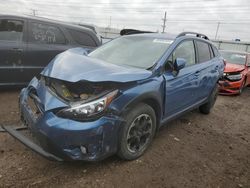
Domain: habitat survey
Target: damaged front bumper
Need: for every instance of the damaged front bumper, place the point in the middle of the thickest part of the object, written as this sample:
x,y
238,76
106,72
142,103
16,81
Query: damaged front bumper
x,y
63,139
229,88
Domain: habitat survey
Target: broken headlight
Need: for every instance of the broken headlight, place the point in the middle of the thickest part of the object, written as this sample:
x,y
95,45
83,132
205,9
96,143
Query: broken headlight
x,y
234,77
81,111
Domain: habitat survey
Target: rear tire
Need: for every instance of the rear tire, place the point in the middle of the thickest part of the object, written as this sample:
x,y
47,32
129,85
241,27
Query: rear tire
x,y
206,108
137,132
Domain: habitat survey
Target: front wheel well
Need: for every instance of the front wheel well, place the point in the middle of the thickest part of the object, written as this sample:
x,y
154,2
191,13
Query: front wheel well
x,y
153,103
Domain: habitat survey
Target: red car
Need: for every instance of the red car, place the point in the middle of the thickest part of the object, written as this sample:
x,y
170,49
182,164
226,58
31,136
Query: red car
x,y
236,74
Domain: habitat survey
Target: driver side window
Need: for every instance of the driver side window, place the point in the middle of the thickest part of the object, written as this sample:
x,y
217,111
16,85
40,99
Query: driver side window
x,y
186,51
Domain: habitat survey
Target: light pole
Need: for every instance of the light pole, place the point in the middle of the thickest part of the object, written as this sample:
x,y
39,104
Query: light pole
x,y
218,26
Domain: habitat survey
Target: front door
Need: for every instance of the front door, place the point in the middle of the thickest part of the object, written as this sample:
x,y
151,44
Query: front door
x,y
12,49
181,87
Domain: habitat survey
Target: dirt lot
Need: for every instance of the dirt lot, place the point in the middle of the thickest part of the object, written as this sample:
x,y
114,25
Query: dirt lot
x,y
194,151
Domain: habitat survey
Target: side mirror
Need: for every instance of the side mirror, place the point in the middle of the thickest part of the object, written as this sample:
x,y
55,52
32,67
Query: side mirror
x,y
179,64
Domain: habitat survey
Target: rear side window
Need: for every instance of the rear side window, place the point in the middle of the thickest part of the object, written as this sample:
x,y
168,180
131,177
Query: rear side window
x,y
46,34
203,51
11,30
82,38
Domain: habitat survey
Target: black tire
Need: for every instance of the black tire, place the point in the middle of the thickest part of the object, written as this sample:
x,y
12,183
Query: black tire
x,y
206,108
137,132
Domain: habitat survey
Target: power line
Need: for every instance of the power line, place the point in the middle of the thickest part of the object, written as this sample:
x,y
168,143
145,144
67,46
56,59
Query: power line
x,y
125,3
141,19
133,19
97,5
154,12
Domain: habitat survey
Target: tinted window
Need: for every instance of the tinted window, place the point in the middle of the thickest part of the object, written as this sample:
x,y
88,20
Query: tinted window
x,y
46,34
11,30
203,51
82,38
186,51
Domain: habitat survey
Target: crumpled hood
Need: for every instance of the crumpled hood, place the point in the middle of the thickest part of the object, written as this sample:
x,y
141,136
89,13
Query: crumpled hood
x,y
73,67
233,67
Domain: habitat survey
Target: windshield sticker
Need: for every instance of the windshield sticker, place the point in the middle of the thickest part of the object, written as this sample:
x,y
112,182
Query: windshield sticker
x,y
163,41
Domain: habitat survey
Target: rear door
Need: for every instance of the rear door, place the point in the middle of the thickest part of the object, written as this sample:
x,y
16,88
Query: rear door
x,y
12,49
208,66
181,88
45,41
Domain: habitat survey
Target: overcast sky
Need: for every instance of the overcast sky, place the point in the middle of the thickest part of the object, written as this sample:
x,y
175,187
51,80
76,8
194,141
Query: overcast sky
x,y
182,15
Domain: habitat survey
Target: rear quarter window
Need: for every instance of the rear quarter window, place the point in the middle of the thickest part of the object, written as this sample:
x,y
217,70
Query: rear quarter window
x,y
203,51
82,38
45,34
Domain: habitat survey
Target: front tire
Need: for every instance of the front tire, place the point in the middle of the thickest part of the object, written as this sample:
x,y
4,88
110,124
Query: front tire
x,y
137,132
206,108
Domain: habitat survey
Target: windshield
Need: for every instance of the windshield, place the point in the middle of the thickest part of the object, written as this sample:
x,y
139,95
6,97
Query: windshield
x,y
135,51
235,58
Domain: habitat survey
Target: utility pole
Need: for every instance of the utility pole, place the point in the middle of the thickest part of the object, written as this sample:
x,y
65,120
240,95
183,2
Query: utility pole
x,y
33,12
164,22
218,26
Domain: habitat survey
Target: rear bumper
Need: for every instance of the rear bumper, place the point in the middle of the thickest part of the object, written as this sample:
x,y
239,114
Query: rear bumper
x,y
229,88
63,139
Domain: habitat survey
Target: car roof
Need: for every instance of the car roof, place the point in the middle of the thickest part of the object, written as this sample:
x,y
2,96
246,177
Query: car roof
x,y
55,22
24,16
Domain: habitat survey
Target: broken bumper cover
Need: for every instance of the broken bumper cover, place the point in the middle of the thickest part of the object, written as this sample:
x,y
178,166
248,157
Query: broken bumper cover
x,y
63,139
229,88
30,144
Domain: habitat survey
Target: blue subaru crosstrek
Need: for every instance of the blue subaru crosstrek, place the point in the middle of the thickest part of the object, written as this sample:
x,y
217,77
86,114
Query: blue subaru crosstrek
x,y
114,99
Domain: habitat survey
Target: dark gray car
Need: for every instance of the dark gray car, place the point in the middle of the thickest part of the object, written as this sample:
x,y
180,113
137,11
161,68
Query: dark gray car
x,y
28,44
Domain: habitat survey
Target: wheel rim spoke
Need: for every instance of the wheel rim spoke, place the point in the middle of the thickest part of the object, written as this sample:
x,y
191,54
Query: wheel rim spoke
x,y
139,133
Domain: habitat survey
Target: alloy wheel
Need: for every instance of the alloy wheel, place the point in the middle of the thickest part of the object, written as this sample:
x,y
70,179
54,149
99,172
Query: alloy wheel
x,y
139,133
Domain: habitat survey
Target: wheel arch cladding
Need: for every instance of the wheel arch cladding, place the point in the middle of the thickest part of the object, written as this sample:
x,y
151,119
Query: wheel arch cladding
x,y
153,102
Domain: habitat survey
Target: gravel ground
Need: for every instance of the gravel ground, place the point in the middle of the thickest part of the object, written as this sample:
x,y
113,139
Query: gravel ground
x,y
193,151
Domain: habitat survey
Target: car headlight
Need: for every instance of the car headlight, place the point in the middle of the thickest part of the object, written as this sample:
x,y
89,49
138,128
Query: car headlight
x,y
82,111
234,77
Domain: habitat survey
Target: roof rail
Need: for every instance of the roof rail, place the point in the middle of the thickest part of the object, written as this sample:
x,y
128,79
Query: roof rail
x,y
193,33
